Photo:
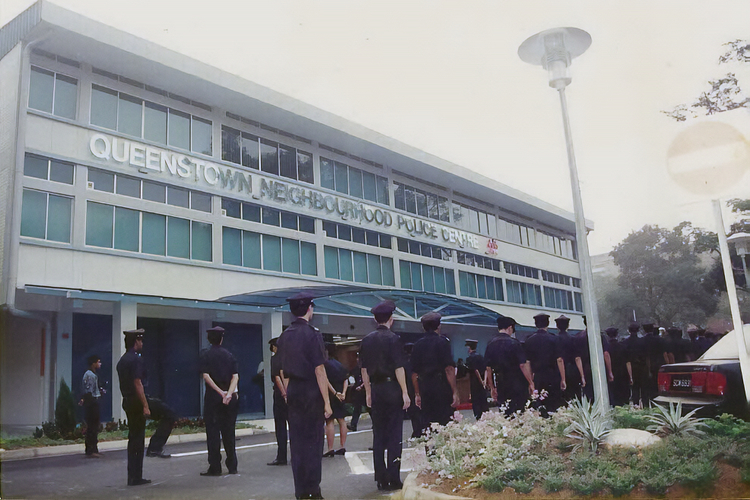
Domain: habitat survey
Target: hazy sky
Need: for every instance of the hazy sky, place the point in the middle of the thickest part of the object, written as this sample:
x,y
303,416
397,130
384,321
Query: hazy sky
x,y
444,76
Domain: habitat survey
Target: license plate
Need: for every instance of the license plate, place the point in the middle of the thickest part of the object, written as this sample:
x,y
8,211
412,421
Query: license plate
x,y
681,383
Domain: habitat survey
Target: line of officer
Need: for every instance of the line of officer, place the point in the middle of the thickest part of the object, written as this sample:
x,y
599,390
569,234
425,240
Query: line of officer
x,y
433,374
508,372
302,365
477,369
220,404
543,352
132,375
382,357
280,409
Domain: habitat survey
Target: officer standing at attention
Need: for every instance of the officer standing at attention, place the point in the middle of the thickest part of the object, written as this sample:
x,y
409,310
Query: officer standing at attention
x,y
433,374
382,356
508,373
637,365
619,388
655,359
302,365
547,365
138,407
477,369
575,379
280,409
220,404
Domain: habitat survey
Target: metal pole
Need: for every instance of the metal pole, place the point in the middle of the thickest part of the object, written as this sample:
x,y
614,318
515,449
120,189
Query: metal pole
x,y
734,305
598,375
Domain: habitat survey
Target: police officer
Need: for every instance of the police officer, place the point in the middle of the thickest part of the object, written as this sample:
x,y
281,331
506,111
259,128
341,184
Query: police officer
x,y
543,352
637,365
433,374
508,372
138,407
619,388
477,370
575,378
656,356
280,410
302,364
413,412
382,357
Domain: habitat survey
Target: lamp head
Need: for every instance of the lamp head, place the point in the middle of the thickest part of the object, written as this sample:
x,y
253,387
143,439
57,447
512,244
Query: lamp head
x,y
554,50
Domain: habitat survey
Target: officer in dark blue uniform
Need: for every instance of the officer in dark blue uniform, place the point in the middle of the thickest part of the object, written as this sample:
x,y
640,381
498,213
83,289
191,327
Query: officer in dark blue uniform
x,y
637,356
433,374
547,365
477,369
574,374
413,412
382,357
138,407
220,403
280,409
508,372
619,388
655,359
302,363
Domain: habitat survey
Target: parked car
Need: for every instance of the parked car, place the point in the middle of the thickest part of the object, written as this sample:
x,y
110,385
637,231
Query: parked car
x,y
712,383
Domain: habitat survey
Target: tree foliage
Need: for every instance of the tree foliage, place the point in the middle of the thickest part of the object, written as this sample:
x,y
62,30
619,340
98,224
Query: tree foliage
x,y
725,93
65,411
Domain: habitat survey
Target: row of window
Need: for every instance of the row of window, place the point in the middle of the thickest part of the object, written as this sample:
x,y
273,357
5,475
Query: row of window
x,y
271,253
422,203
426,278
353,181
480,286
356,234
267,156
520,270
474,220
359,267
53,93
46,216
48,169
480,261
265,215
424,249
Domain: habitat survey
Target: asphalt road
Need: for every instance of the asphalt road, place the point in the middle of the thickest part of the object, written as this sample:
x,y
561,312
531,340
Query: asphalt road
x,y
74,476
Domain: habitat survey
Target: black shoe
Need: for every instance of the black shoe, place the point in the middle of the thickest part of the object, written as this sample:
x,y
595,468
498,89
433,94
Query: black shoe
x,y
158,454
210,472
395,485
340,451
382,485
138,482
329,453
233,471
351,427
277,462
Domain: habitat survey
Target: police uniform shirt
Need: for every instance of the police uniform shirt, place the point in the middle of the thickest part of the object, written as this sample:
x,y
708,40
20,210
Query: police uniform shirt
x,y
475,362
636,351
569,348
220,365
431,355
542,350
655,349
381,354
129,368
504,355
618,357
302,349
275,370
336,374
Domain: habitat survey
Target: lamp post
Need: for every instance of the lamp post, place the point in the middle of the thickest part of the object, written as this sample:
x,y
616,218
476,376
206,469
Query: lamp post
x,y
554,50
741,243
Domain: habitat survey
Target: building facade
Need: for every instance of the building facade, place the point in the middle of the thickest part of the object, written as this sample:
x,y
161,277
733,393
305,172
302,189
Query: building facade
x,y
142,188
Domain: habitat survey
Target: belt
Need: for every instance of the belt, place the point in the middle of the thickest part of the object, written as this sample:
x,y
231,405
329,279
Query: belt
x,y
381,380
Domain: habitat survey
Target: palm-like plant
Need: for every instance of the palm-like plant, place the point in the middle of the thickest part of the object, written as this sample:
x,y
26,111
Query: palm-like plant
x,y
672,421
590,424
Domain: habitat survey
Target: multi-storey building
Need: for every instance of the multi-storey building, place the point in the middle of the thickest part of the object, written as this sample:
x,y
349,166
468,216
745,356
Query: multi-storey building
x,y
142,188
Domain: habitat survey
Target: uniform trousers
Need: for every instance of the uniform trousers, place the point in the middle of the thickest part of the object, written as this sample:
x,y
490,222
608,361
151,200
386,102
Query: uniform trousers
x,y
479,402
513,397
306,421
220,422
137,431
640,383
91,408
551,384
387,431
280,418
436,401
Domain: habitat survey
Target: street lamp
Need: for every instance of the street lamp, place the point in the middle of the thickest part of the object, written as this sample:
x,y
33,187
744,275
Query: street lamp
x,y
741,243
554,50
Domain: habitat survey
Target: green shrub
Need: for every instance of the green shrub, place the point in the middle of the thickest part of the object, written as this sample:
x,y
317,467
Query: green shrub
x,y
494,483
727,425
659,482
521,486
621,483
590,424
65,411
587,484
553,483
698,475
745,474
630,417
672,421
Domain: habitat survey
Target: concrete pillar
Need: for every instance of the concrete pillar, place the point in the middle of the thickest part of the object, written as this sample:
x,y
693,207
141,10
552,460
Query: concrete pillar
x,y
64,362
124,317
272,325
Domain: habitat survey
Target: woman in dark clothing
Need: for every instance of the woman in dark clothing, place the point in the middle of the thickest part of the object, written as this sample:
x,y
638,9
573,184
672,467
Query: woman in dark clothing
x,y
338,383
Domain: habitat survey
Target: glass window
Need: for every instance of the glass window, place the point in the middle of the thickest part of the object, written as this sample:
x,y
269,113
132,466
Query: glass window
x,y
305,167
200,201
433,210
34,214
58,218
290,255
439,275
355,182
398,197
202,140
481,286
388,276
405,270
499,289
104,107
342,178
374,270
155,123
271,253
230,145
450,282
179,129
329,228
250,151
385,241
41,89
154,192
251,212
99,225
35,166
178,237
61,172
331,256
231,207
308,258
306,224
428,278
103,181
463,283
251,251
358,235
128,186
130,115
372,238
269,157
345,233
127,229
369,186
403,245
416,276
288,220
421,203
326,174
271,217
411,200
66,96
382,198
345,265
443,210
287,162
360,267
231,244
201,241
178,197
154,234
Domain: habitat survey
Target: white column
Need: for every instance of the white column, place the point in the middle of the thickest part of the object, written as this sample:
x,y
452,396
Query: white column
x,y
272,325
124,317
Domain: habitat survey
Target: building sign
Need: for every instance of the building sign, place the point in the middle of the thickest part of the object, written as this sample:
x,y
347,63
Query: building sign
x,y
187,169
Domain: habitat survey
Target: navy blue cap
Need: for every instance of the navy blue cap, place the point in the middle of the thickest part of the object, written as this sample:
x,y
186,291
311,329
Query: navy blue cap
x,y
634,326
504,322
273,340
216,329
385,307
431,317
301,297
612,331
562,317
471,342
138,332
541,315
